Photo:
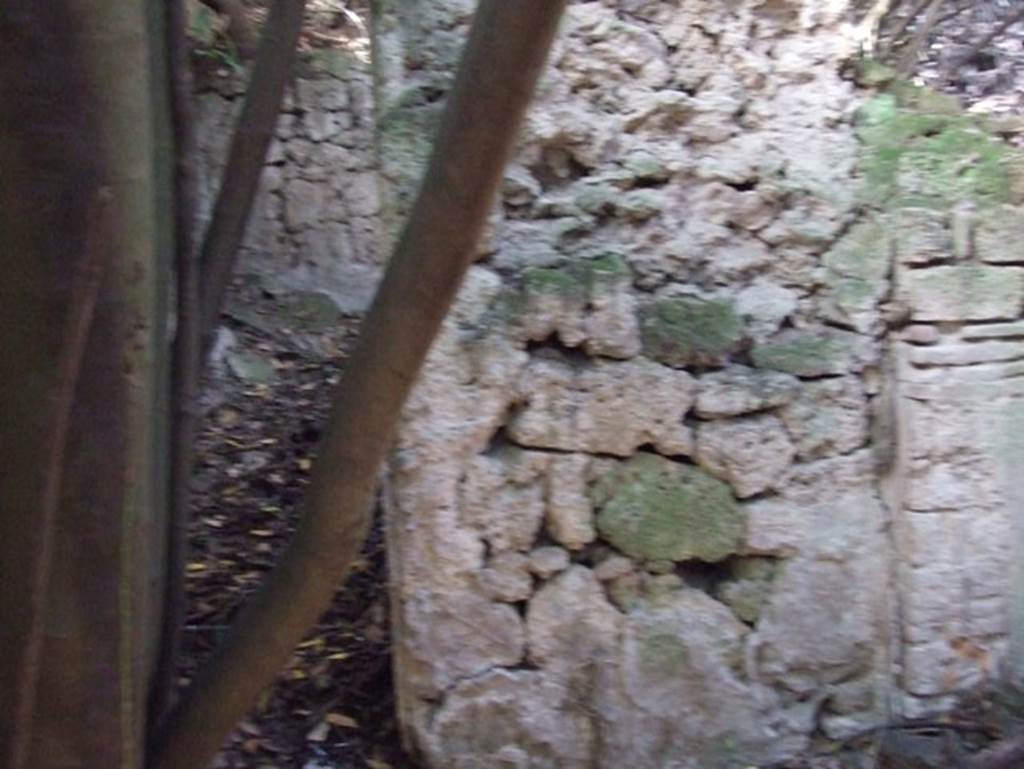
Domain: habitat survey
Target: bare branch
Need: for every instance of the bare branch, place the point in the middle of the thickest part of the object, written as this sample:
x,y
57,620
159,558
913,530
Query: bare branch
x,y
185,360
897,34
913,49
986,41
253,134
503,59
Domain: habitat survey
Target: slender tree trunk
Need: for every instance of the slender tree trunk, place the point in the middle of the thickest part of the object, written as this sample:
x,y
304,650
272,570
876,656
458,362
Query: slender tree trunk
x,y
247,154
81,400
503,59
185,360
203,279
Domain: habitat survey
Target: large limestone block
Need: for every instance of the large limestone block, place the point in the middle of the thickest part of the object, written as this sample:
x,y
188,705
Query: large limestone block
x,y
829,417
742,390
513,720
964,292
823,621
750,453
655,509
570,624
602,407
679,697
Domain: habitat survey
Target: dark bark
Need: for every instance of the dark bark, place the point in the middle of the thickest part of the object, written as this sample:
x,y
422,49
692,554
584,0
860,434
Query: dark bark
x,y
185,359
82,333
504,56
248,151
47,129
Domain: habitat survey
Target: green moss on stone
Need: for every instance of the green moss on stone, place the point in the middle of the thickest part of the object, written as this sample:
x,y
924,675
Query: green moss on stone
x,y
655,509
872,73
663,656
607,268
576,279
802,356
685,331
750,588
550,279
643,165
921,149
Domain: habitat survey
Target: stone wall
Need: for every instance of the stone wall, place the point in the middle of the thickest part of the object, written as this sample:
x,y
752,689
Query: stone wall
x,y
315,221
636,513
947,197
717,454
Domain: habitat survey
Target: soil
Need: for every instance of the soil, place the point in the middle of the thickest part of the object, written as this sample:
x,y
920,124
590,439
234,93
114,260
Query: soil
x,y
266,403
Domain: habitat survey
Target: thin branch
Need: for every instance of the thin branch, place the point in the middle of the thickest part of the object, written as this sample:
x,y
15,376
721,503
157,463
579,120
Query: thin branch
x,y
241,177
239,27
185,361
504,56
903,26
1008,22
1008,754
913,50
85,292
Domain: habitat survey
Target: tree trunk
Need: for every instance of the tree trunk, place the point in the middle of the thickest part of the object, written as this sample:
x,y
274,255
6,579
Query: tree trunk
x,y
504,56
82,402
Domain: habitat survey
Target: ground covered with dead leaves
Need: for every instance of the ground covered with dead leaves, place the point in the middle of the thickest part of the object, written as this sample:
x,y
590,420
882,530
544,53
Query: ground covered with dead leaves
x,y
267,400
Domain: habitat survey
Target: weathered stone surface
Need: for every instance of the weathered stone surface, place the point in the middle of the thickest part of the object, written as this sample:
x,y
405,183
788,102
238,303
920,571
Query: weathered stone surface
x,y
613,568
507,577
821,622
618,269
570,516
463,636
751,453
922,236
829,508
603,408
814,353
999,238
856,271
741,390
764,306
749,589
503,497
587,302
655,509
569,623
681,701
547,561
964,292
305,203
688,331
518,720
829,417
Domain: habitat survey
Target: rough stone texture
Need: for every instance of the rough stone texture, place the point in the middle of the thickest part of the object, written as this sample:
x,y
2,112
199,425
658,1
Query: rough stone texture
x,y
750,453
964,292
741,390
315,224
829,417
717,404
654,509
602,408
